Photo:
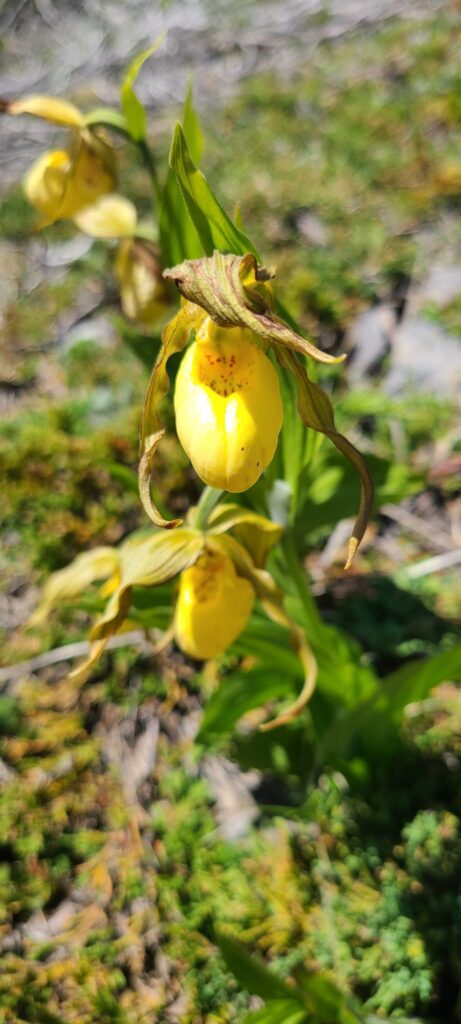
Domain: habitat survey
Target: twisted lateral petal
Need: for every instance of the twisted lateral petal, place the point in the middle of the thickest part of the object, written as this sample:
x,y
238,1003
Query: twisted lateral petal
x,y
234,291
74,579
213,606
174,338
228,407
49,108
316,411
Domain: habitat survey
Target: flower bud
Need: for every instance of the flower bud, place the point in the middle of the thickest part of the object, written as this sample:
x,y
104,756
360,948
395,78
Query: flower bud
x,y
143,293
213,606
228,407
61,183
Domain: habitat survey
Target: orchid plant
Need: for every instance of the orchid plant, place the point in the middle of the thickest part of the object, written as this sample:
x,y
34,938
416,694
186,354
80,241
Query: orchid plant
x,y
238,348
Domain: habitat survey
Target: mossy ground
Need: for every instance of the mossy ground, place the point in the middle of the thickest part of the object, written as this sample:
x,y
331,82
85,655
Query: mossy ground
x,y
110,889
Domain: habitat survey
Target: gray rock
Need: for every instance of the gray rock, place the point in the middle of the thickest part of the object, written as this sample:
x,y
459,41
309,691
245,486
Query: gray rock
x,y
425,358
369,341
441,286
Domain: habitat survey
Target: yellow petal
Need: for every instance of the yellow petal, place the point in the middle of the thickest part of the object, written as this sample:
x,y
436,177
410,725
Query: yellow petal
x,y
228,407
45,183
111,216
62,586
49,108
91,174
213,607
257,534
61,183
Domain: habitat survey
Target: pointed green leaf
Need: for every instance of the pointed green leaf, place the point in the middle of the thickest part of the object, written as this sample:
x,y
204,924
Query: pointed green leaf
x,y
134,112
178,237
213,226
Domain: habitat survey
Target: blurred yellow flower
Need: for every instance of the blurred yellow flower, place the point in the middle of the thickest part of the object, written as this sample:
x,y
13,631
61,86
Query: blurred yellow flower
x,y
228,406
213,606
61,183
144,295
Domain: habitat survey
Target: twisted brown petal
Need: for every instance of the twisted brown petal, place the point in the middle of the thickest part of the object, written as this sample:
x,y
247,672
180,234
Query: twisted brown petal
x,y
234,292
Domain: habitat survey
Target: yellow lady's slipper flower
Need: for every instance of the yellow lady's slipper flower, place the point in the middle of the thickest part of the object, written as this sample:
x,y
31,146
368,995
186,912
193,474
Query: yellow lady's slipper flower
x,y
213,606
219,558
144,296
229,421
228,407
62,182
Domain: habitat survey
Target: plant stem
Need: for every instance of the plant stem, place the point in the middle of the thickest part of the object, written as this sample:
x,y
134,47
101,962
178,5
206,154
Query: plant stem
x,y
105,118
312,617
149,163
208,499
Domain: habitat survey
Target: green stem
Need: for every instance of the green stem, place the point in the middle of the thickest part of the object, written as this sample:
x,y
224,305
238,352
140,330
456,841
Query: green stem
x,y
149,163
312,617
208,499
103,117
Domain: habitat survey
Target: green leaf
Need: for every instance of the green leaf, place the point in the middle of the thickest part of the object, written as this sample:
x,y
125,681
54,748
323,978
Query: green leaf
x,y
135,115
237,694
178,237
375,722
192,129
250,972
213,226
327,1003
414,681
279,1011
327,489
270,643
